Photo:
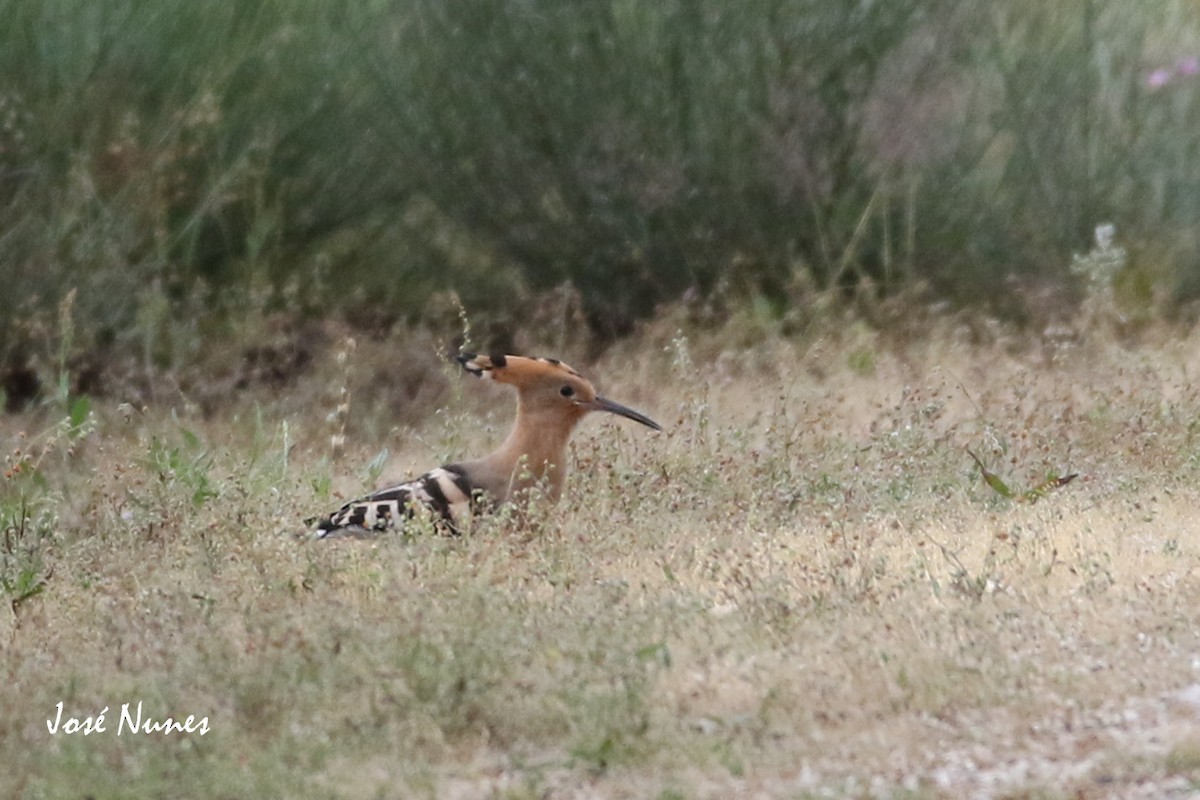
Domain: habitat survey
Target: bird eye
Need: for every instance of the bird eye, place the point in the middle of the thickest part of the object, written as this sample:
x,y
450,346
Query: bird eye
x,y
566,391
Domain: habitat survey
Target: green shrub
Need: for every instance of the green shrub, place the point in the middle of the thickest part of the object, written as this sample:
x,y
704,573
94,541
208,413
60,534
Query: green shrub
x,y
363,159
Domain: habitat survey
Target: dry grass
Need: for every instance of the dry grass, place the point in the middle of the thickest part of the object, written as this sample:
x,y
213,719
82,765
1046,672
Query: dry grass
x,y
801,589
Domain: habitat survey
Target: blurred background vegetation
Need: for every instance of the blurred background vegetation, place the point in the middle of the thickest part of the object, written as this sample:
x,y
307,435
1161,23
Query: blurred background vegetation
x,y
169,171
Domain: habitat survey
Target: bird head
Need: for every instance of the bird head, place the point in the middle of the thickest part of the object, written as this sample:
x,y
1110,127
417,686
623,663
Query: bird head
x,y
548,385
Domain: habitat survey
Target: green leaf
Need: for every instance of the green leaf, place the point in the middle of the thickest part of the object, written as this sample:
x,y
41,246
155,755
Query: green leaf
x,y
375,468
190,439
79,412
35,476
993,480
29,582
657,653
202,494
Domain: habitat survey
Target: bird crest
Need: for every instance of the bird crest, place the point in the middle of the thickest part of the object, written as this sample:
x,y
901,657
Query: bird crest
x,y
516,370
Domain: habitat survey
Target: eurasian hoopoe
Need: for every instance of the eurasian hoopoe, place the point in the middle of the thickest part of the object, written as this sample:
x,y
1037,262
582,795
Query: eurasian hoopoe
x,y
551,399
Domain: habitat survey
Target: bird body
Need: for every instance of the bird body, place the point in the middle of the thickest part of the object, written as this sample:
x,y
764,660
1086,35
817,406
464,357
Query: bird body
x,y
551,400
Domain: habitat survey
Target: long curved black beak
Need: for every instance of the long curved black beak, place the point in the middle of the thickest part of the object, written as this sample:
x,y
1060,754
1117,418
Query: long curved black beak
x,y
604,404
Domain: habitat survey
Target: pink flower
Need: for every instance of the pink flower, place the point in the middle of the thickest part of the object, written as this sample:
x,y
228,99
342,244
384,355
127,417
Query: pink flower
x,y
1188,65
1158,79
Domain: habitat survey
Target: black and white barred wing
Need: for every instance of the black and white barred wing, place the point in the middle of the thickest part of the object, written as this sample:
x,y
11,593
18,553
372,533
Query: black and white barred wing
x,y
444,492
